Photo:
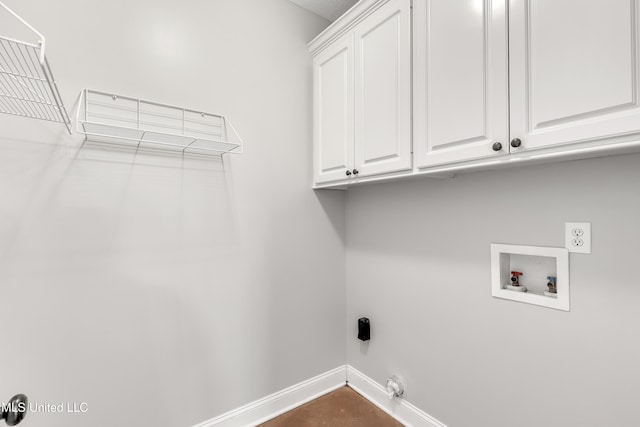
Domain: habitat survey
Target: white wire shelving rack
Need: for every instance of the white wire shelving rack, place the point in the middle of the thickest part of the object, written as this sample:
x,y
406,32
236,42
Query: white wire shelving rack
x,y
110,118
27,85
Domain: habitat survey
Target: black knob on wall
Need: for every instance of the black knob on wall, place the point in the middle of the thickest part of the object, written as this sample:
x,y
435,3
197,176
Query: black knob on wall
x,y
497,146
348,173
515,142
356,172
15,410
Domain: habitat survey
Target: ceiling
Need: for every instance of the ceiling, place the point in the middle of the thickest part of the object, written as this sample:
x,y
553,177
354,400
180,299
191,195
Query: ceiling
x,y
328,9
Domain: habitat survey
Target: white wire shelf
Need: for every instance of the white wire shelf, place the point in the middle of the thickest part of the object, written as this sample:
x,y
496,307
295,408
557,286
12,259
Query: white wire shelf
x,y
27,85
110,118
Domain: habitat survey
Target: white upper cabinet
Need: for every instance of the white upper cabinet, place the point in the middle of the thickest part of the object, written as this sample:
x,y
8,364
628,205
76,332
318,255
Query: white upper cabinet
x,y
333,111
432,86
461,93
383,90
573,70
362,93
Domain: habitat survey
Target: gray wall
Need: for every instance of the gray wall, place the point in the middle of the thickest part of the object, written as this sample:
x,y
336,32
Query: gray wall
x,y
418,266
164,291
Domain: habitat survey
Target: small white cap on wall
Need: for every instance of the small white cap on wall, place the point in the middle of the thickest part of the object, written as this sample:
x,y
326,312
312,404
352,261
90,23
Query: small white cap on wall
x,y
394,387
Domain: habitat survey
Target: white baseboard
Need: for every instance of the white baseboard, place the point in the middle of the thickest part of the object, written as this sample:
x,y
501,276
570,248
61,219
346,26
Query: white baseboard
x,y
269,407
399,409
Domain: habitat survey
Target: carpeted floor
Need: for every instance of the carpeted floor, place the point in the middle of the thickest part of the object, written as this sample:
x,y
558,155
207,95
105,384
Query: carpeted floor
x,y
341,408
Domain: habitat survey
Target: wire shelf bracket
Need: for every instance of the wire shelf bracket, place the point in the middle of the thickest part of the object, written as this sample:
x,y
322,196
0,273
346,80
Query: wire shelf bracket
x,y
116,119
27,86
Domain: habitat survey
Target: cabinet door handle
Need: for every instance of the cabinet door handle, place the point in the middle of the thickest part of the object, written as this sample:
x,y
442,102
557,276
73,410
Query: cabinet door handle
x,y
356,172
348,173
497,146
515,142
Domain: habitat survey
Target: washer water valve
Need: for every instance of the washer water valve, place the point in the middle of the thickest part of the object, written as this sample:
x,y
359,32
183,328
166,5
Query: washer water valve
x,y
394,387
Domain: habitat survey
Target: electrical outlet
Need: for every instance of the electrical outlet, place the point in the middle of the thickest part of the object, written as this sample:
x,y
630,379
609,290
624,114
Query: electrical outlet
x,y
578,237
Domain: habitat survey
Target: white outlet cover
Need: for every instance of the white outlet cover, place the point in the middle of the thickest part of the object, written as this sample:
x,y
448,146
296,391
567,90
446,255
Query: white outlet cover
x,y
578,237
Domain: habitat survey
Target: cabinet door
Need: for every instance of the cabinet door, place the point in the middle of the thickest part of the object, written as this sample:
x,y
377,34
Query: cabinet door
x,y
333,111
574,70
461,80
383,90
